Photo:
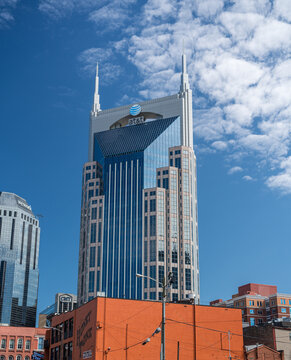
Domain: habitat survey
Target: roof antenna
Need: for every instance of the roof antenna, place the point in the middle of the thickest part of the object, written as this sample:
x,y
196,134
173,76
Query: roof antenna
x,y
184,76
96,104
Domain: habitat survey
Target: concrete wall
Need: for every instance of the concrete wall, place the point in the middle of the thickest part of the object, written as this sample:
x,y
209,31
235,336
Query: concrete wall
x,y
283,341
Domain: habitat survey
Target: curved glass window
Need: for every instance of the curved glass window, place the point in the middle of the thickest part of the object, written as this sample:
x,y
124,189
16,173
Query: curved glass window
x,y
11,357
18,357
27,358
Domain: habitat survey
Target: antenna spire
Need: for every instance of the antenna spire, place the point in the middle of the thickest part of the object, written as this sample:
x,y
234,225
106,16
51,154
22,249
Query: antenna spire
x,y
96,104
184,75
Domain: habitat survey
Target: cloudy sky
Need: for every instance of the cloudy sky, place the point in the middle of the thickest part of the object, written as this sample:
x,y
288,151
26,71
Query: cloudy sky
x,y
239,64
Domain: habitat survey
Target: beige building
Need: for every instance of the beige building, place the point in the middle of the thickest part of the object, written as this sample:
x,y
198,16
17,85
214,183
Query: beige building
x,y
169,227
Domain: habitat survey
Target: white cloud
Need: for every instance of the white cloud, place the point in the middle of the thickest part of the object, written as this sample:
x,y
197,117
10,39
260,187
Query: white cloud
x,y
112,15
252,6
282,9
234,170
271,36
6,12
56,8
248,178
208,8
107,69
282,181
219,145
104,13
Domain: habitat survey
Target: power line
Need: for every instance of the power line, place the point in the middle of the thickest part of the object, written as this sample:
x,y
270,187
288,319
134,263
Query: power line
x,y
221,331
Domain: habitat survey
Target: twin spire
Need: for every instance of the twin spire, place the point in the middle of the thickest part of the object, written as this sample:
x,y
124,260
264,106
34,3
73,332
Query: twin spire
x,y
183,87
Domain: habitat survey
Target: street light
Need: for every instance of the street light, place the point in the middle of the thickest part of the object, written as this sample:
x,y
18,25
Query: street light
x,y
60,330
164,285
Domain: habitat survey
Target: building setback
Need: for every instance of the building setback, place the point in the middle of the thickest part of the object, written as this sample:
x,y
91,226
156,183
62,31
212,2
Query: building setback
x,y
107,328
19,248
139,200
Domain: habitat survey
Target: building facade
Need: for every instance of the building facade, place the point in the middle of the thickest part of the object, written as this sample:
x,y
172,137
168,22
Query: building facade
x,y
259,303
262,352
139,200
20,343
19,249
63,302
107,328
277,337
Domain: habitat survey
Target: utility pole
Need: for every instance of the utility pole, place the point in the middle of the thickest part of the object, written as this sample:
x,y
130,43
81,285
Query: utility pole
x,y
164,284
229,353
126,334
162,357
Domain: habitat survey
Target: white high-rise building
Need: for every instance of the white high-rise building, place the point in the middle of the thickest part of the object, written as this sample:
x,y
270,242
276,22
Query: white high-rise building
x,y
139,200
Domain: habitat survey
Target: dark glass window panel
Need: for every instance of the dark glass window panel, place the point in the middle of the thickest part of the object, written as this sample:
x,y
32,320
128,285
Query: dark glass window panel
x,y
175,278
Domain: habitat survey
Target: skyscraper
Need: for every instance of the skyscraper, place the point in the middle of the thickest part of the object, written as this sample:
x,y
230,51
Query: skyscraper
x,y
19,248
139,200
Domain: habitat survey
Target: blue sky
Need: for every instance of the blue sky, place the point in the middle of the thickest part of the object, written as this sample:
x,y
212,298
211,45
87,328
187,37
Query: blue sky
x,y
239,63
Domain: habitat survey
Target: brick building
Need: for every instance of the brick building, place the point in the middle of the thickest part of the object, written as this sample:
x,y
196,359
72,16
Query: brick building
x,y
117,328
262,352
19,343
259,303
273,336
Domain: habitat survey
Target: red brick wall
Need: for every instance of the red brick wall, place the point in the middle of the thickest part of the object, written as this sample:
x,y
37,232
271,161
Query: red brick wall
x,y
26,333
263,353
260,289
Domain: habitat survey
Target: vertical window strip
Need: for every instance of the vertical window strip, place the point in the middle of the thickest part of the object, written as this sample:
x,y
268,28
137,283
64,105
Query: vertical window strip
x,y
35,248
22,242
12,234
2,277
0,226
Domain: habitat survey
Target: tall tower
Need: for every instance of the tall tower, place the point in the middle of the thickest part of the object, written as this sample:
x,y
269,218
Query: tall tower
x,y
139,199
19,248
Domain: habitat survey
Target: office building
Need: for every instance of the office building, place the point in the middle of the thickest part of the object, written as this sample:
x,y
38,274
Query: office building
x,y
259,303
19,248
63,302
139,200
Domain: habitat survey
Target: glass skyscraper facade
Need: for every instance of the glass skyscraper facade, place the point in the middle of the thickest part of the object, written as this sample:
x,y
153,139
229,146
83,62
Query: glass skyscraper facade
x,y
133,219
19,249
